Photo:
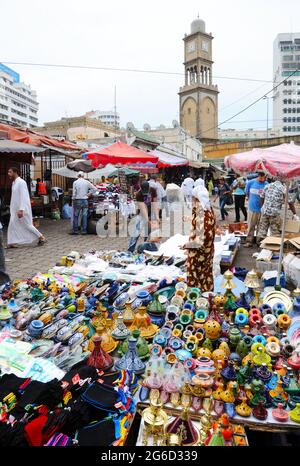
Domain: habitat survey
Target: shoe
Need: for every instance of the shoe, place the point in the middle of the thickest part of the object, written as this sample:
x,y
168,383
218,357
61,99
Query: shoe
x,y
42,242
84,233
248,245
73,233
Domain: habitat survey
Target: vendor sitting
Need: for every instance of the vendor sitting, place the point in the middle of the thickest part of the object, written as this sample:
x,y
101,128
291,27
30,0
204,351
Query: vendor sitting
x,y
152,244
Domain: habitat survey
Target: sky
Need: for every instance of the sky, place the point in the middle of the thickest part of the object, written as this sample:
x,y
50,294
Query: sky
x,y
144,35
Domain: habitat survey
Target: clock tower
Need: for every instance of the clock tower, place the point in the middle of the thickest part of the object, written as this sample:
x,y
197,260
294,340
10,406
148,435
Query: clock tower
x,y
199,96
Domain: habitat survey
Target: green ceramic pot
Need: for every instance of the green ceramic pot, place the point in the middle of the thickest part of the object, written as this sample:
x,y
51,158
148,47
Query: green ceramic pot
x,y
142,346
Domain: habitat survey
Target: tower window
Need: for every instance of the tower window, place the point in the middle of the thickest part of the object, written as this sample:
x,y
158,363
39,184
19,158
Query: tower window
x,y
189,111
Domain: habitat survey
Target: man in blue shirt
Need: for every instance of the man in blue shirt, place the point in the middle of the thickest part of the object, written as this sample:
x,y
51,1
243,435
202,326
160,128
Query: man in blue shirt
x,y
254,190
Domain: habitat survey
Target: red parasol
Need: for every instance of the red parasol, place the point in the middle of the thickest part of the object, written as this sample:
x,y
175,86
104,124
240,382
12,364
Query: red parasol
x,y
120,153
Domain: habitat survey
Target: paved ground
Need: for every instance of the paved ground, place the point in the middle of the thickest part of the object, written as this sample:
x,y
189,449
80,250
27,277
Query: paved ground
x,y
26,261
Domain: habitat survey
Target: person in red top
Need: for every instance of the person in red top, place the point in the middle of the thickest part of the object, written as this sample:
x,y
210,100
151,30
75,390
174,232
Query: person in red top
x,y
147,210
41,188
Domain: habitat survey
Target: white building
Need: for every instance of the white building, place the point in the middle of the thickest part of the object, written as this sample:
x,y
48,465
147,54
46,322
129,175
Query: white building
x,y
109,118
286,105
178,138
230,134
18,102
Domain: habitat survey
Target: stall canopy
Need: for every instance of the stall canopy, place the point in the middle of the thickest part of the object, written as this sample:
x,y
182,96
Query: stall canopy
x,y
18,151
81,165
166,160
120,153
28,136
281,161
127,171
92,176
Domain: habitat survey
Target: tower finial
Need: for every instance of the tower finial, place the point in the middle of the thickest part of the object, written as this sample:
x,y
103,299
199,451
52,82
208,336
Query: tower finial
x,y
198,15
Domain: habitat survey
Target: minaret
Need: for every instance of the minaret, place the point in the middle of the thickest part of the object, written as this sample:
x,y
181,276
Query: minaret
x,y
199,96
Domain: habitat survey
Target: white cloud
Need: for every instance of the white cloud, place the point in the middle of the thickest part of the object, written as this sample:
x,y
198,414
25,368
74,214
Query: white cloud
x,y
144,35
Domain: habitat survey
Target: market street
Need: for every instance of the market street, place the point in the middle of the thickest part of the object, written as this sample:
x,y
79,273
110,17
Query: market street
x,y
27,261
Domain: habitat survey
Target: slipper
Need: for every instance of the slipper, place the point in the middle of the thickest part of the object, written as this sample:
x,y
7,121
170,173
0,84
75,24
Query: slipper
x,y
11,246
42,242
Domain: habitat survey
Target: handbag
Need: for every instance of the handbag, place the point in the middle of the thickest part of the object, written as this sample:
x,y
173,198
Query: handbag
x,y
229,199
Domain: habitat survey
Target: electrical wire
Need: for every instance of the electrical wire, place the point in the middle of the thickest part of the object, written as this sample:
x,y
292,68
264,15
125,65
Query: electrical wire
x,y
253,103
131,70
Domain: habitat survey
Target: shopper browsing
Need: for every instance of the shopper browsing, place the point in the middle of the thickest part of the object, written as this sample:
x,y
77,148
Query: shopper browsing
x,y
238,188
147,210
254,190
81,191
273,197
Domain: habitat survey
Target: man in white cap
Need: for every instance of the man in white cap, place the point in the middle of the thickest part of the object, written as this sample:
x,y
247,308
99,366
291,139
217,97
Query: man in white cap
x,y
81,192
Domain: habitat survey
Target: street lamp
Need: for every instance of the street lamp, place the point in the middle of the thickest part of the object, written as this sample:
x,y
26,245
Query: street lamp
x,y
267,99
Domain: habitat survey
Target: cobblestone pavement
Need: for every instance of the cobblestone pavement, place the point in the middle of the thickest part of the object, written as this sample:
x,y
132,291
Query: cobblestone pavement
x,y
25,262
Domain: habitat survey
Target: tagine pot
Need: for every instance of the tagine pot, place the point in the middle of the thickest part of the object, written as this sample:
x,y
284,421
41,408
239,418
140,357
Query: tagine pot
x,y
99,358
260,412
234,336
142,346
131,361
142,322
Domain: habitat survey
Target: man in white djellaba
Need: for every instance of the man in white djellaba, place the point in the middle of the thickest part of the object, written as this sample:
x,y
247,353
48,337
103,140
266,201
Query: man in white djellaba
x,y
20,228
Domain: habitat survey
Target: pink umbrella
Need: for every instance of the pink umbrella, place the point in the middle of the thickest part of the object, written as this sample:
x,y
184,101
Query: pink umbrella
x,y
281,161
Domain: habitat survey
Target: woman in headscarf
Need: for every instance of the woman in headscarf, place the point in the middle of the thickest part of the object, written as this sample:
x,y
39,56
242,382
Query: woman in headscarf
x,y
187,189
201,241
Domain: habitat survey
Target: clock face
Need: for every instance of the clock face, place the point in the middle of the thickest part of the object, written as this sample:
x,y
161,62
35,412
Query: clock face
x,y
191,46
205,46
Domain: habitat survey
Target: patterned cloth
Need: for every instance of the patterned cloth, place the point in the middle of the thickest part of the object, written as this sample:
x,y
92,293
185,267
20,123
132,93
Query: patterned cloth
x,y
273,194
266,222
201,249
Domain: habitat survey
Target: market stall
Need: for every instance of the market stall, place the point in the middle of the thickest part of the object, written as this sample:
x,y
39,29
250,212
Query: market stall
x,y
282,161
111,348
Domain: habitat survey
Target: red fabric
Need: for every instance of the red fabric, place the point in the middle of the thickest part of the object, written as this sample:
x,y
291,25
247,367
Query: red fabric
x,y
282,160
120,153
168,165
33,430
42,189
36,139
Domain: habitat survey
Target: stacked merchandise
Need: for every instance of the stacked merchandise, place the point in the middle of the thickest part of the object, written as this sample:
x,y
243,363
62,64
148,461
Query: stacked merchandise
x,y
212,354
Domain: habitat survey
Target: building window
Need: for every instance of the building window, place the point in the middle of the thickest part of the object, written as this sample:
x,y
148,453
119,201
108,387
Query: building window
x,y
189,111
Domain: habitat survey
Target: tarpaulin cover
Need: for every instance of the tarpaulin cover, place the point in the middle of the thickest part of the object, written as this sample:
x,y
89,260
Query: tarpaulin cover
x,y
81,165
168,160
120,153
36,139
282,161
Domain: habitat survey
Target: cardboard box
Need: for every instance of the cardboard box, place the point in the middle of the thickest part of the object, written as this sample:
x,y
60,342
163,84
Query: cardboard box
x,y
293,271
291,243
266,266
292,226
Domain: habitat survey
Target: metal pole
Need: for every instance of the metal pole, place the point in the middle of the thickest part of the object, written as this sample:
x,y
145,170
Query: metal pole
x,y
267,117
283,233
